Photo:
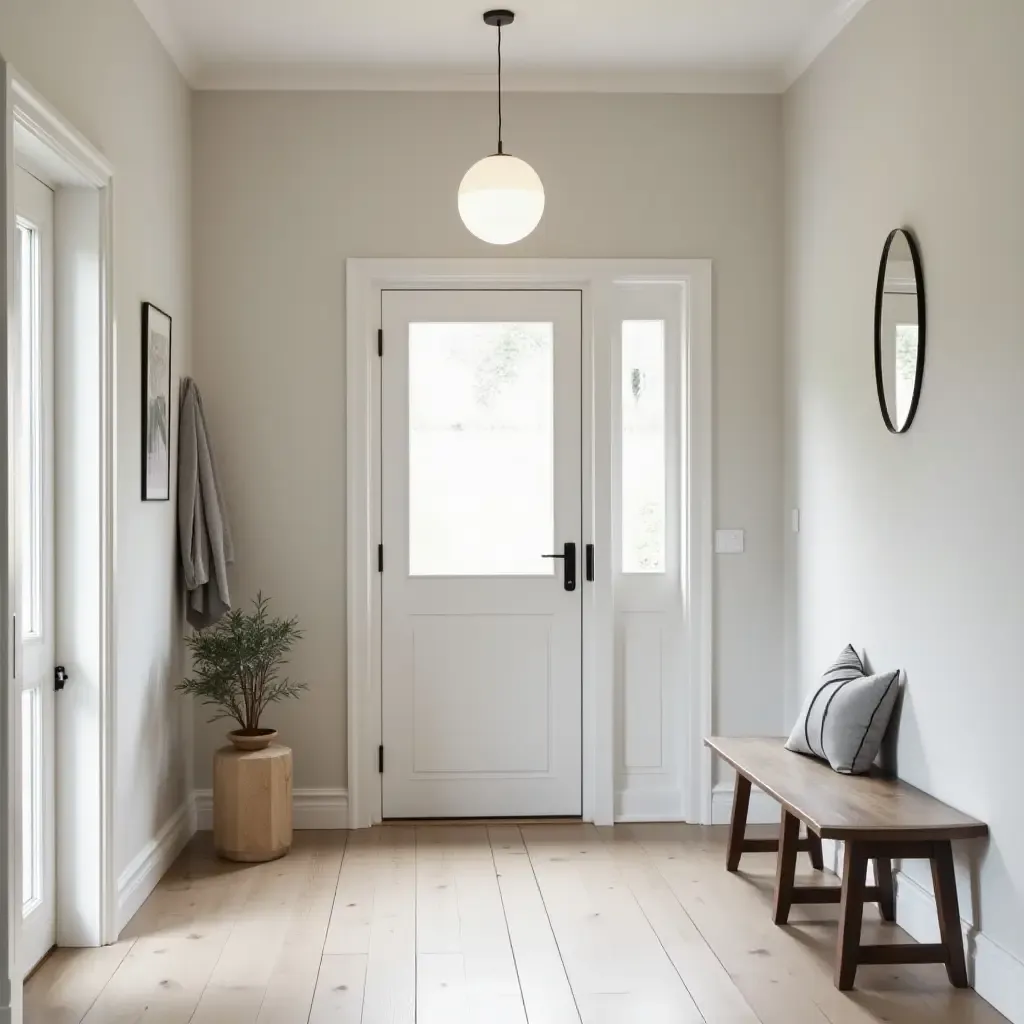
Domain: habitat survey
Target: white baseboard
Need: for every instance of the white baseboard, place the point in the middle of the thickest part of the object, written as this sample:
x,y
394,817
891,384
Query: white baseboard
x,y
999,977
640,805
311,809
832,856
996,974
832,853
150,864
916,914
763,809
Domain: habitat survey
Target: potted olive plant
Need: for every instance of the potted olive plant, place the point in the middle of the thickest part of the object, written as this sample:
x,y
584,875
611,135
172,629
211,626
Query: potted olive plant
x,y
236,666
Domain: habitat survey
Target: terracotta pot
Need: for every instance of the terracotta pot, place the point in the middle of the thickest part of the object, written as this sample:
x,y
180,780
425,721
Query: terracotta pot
x,y
256,739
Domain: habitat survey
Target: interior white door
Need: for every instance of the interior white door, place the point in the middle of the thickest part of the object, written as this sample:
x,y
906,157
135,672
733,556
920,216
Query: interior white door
x,y
33,487
481,462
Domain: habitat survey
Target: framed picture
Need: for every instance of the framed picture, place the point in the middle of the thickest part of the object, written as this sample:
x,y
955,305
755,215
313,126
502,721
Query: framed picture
x,y
156,404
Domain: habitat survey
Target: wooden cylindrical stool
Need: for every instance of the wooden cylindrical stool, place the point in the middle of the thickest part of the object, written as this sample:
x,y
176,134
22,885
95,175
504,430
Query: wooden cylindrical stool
x,y
252,803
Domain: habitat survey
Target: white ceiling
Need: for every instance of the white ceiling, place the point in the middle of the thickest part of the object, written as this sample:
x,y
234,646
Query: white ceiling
x,y
601,45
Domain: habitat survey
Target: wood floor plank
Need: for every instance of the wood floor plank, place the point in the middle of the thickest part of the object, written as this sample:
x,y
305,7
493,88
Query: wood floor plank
x,y
163,978
293,982
70,980
339,990
441,992
389,996
438,928
752,955
547,994
476,924
614,961
180,934
352,913
706,979
786,973
291,898
466,970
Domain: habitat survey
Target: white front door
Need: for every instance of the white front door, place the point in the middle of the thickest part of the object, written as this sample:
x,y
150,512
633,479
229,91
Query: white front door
x,y
33,487
481,484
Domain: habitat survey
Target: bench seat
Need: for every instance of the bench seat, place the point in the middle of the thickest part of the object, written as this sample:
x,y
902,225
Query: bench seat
x,y
877,818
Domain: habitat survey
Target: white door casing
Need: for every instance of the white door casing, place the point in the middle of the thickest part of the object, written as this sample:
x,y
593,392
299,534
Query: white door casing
x,y
34,206
681,787
85,428
35,134
481,479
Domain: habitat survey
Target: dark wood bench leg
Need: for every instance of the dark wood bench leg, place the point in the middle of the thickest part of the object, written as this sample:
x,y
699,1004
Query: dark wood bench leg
x,y
944,880
886,893
738,826
814,849
851,915
789,840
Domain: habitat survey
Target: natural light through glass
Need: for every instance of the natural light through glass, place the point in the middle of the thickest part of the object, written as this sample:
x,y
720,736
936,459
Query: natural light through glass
x,y
643,446
31,411
481,449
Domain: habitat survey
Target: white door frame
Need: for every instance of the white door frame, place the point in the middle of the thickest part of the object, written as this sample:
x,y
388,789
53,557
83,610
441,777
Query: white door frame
x,y
86,881
597,280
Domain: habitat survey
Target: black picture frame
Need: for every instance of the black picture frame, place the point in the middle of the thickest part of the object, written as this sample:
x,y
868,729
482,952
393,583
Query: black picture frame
x,y
157,339
922,330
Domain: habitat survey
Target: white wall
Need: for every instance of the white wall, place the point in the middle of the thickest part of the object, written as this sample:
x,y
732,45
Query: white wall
x,y
287,185
100,65
911,546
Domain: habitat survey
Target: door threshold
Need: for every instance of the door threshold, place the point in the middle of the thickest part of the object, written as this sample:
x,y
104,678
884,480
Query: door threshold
x,y
438,822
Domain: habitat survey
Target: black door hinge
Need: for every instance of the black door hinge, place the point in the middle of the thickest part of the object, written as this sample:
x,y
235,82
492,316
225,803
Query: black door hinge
x,y
590,562
380,341
380,558
60,677
380,759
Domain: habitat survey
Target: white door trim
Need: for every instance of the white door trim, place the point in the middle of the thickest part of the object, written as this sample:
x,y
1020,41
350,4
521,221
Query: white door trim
x,y
365,280
47,143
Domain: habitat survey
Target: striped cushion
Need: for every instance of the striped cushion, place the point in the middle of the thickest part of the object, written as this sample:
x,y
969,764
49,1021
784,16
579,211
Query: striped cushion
x,y
844,720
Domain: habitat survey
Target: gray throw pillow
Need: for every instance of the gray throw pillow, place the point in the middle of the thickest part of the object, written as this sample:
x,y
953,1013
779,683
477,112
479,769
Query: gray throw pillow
x,y
844,720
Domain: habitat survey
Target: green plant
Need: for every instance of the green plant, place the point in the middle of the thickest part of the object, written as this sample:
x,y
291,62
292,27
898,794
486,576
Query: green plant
x,y
236,664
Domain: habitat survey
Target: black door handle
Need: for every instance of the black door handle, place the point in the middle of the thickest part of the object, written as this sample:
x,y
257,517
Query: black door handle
x,y
568,556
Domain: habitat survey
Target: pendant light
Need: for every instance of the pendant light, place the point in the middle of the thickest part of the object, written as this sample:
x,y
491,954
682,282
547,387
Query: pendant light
x,y
501,198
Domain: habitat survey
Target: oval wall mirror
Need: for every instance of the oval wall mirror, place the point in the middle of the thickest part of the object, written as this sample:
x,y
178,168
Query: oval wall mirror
x,y
899,331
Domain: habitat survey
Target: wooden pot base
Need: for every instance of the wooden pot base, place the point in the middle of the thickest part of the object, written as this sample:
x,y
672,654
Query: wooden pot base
x,y
252,803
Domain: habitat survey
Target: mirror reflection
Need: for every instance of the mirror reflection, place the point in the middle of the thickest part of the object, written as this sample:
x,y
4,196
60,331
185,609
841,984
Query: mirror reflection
x,y
899,339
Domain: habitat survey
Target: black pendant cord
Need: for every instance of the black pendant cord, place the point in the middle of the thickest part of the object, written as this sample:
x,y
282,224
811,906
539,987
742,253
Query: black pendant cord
x,y
499,89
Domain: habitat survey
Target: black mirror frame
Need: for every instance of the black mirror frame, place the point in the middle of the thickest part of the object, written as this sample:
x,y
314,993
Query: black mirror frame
x,y
915,257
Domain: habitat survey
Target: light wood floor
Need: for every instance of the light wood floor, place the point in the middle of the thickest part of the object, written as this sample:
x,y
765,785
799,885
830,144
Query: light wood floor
x,y
545,924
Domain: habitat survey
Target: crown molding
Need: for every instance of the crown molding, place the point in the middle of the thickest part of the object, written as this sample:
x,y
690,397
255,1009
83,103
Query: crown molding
x,y
303,77
161,21
819,38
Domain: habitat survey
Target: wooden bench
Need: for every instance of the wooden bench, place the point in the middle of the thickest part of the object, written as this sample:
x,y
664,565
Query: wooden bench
x,y
878,818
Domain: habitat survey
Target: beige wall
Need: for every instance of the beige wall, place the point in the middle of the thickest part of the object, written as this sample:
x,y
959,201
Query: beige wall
x,y
100,65
911,547
288,185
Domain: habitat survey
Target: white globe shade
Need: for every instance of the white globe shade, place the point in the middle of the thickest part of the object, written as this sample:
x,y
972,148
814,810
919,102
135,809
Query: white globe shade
x,y
501,199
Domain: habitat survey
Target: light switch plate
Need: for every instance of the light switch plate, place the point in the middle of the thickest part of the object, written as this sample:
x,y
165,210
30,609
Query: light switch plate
x,y
729,542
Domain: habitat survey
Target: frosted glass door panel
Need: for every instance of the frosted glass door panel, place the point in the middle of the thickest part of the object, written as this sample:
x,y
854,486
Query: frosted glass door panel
x,y
643,446
481,449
